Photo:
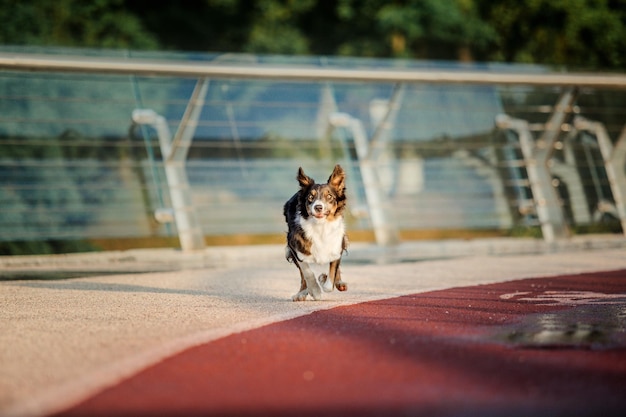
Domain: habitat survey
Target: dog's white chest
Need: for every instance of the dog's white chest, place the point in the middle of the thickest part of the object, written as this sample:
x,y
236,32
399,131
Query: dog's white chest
x,y
326,239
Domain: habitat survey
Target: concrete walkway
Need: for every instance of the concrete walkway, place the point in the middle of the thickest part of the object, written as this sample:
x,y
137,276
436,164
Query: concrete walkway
x,y
63,340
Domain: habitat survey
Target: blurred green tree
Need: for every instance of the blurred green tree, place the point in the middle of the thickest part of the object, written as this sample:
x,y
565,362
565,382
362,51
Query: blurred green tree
x,y
99,23
275,27
429,29
445,29
579,33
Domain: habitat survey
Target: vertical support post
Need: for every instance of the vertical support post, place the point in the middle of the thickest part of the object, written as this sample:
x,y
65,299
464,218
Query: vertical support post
x,y
614,157
367,153
323,129
537,159
547,204
188,124
174,153
385,233
568,172
382,134
189,230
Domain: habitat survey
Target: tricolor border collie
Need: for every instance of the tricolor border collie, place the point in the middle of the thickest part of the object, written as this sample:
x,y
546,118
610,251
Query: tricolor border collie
x,y
316,233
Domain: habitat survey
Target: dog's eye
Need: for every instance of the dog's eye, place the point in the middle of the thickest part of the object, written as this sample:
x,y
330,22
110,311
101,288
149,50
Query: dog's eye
x,y
330,197
311,198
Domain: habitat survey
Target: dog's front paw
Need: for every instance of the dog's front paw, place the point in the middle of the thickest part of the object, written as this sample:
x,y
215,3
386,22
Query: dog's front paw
x,y
341,286
301,296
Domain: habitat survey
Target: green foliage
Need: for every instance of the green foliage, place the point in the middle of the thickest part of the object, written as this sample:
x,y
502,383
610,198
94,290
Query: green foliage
x,y
445,29
582,33
588,34
422,27
98,23
272,30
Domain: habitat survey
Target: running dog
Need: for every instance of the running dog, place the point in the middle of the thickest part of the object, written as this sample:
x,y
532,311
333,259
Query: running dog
x,y
316,236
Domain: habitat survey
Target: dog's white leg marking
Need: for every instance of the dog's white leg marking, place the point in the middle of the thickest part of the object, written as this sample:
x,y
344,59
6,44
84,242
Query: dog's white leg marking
x,y
327,285
321,271
312,285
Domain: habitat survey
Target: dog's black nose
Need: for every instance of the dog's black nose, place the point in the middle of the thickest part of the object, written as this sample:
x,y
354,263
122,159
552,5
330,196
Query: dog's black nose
x,y
318,208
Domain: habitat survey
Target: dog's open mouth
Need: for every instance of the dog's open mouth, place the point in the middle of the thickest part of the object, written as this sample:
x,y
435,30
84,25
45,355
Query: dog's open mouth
x,y
319,215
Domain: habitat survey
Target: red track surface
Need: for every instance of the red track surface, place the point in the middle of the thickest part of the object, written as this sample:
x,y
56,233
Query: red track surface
x,y
443,353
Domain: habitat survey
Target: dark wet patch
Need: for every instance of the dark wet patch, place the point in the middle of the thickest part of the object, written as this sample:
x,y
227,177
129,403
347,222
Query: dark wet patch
x,y
581,327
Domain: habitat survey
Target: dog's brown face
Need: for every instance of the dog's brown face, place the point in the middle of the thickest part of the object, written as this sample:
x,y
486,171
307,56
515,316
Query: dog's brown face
x,y
323,201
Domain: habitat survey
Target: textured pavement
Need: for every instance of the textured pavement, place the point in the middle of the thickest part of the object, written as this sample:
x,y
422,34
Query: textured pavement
x,y
65,340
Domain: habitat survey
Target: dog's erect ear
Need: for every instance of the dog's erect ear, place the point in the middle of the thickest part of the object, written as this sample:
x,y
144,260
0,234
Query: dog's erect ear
x,y
304,179
337,179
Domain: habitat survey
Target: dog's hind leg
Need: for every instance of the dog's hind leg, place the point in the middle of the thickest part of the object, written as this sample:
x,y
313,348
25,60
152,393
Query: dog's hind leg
x,y
326,283
301,295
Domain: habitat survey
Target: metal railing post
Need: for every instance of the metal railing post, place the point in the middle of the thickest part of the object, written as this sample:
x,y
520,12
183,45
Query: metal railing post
x,y
567,171
536,157
547,206
614,157
189,230
174,151
384,230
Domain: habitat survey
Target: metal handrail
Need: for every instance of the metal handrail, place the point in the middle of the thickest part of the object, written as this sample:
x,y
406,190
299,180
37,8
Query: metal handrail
x,y
196,69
